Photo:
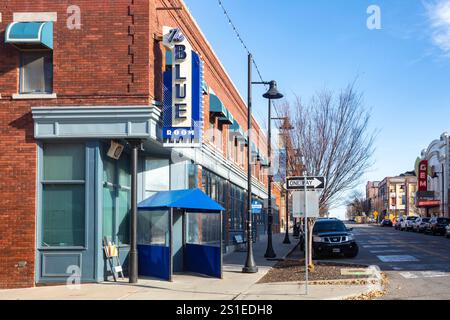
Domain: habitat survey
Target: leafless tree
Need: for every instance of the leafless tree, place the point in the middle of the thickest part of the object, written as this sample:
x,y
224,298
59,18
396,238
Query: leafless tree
x,y
357,205
332,133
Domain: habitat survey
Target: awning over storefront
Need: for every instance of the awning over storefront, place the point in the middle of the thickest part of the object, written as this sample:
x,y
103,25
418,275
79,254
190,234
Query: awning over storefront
x,y
264,162
190,200
216,106
237,130
228,119
30,35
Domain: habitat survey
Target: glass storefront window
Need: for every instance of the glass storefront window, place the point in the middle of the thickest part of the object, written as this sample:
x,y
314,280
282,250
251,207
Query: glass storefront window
x,y
63,195
109,196
116,198
123,217
64,162
157,176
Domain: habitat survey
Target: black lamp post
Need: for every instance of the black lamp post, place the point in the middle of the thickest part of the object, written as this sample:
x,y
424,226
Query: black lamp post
x,y
250,266
271,94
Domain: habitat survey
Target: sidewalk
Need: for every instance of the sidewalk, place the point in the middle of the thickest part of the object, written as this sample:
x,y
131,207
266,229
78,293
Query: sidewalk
x,y
234,286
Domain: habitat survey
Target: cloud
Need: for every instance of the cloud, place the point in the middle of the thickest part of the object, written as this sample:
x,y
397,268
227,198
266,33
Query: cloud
x,y
438,13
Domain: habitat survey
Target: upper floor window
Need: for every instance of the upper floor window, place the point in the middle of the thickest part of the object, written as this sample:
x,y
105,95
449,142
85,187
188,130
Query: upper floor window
x,y
36,72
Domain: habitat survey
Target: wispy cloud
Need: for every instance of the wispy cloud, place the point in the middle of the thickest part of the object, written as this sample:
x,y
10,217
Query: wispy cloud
x,y
438,12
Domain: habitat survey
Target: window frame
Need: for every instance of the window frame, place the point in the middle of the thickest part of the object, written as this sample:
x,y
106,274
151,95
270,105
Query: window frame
x,y
21,70
40,196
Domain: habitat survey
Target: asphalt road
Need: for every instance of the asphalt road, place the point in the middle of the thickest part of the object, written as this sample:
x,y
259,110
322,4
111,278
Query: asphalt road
x,y
417,265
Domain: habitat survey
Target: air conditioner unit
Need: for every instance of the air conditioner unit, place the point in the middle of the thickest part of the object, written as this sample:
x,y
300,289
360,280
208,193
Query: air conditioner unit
x,y
115,151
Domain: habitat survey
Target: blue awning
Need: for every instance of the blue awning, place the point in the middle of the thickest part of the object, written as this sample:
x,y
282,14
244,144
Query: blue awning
x,y
190,200
25,35
216,106
228,119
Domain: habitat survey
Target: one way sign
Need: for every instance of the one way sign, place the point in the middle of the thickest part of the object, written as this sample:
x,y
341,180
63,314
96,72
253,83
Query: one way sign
x,y
312,183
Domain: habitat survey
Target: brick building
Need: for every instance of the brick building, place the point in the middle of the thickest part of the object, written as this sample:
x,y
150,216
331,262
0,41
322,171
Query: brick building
x,y
74,78
396,196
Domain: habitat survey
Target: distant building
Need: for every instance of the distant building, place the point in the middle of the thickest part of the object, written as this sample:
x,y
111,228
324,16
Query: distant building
x,y
372,195
396,196
435,202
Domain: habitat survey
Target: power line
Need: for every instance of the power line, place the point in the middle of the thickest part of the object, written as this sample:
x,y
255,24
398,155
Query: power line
x,y
225,12
239,37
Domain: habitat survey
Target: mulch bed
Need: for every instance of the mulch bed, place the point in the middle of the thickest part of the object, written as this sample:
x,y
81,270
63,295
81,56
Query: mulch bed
x,y
294,270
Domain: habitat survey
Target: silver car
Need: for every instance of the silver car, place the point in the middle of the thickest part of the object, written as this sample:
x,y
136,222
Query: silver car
x,y
420,224
407,224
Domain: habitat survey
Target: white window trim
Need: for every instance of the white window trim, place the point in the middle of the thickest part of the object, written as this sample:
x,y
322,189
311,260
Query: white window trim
x,y
35,16
31,96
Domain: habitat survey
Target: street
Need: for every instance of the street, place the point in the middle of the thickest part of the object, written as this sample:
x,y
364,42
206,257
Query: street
x,y
417,265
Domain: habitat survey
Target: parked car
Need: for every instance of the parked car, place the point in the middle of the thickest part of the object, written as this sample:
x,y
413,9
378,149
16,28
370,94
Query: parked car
x,y
407,224
331,237
386,223
398,223
421,224
437,226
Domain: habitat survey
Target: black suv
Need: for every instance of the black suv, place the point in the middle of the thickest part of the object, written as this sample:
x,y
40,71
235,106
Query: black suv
x,y
331,237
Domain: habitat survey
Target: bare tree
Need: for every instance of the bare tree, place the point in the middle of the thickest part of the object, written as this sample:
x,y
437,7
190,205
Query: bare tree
x,y
357,205
332,134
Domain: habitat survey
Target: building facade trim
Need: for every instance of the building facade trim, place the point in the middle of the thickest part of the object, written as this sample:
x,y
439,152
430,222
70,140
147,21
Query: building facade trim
x,y
97,122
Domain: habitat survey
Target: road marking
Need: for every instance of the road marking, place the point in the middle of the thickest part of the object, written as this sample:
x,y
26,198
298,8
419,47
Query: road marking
x,y
396,258
424,274
375,246
387,251
408,275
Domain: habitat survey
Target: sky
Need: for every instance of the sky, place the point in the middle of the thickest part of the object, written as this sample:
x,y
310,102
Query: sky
x,y
403,68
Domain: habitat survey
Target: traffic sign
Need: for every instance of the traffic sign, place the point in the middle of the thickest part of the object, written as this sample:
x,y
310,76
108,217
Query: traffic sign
x,y
312,183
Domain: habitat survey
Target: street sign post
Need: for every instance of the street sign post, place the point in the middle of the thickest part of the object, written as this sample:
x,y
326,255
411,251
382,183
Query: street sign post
x,y
308,185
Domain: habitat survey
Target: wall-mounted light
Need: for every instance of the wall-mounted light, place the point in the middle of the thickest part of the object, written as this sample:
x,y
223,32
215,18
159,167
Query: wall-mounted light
x,y
115,150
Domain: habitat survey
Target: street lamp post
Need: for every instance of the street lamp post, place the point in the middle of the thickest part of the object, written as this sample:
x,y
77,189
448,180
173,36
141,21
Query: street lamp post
x,y
250,266
271,94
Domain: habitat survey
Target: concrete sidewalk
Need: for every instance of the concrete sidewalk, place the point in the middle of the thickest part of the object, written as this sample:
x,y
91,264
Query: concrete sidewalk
x,y
234,286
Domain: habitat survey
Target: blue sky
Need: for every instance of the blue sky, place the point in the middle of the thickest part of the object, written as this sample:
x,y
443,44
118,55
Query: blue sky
x,y
307,45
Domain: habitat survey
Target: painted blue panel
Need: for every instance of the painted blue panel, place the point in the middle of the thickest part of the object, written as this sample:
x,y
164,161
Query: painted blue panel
x,y
197,95
154,261
167,103
203,260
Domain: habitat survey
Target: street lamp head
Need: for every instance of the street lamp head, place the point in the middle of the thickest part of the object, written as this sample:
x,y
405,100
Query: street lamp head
x,y
273,92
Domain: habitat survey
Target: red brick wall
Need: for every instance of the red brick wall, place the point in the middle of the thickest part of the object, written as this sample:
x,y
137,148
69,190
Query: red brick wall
x,y
103,63
112,60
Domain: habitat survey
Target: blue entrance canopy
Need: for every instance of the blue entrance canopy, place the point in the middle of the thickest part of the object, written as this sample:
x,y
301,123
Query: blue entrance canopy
x,y
190,200
24,35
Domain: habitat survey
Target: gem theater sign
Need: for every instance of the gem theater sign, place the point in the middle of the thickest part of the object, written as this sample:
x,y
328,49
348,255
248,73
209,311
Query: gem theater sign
x,y
183,97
